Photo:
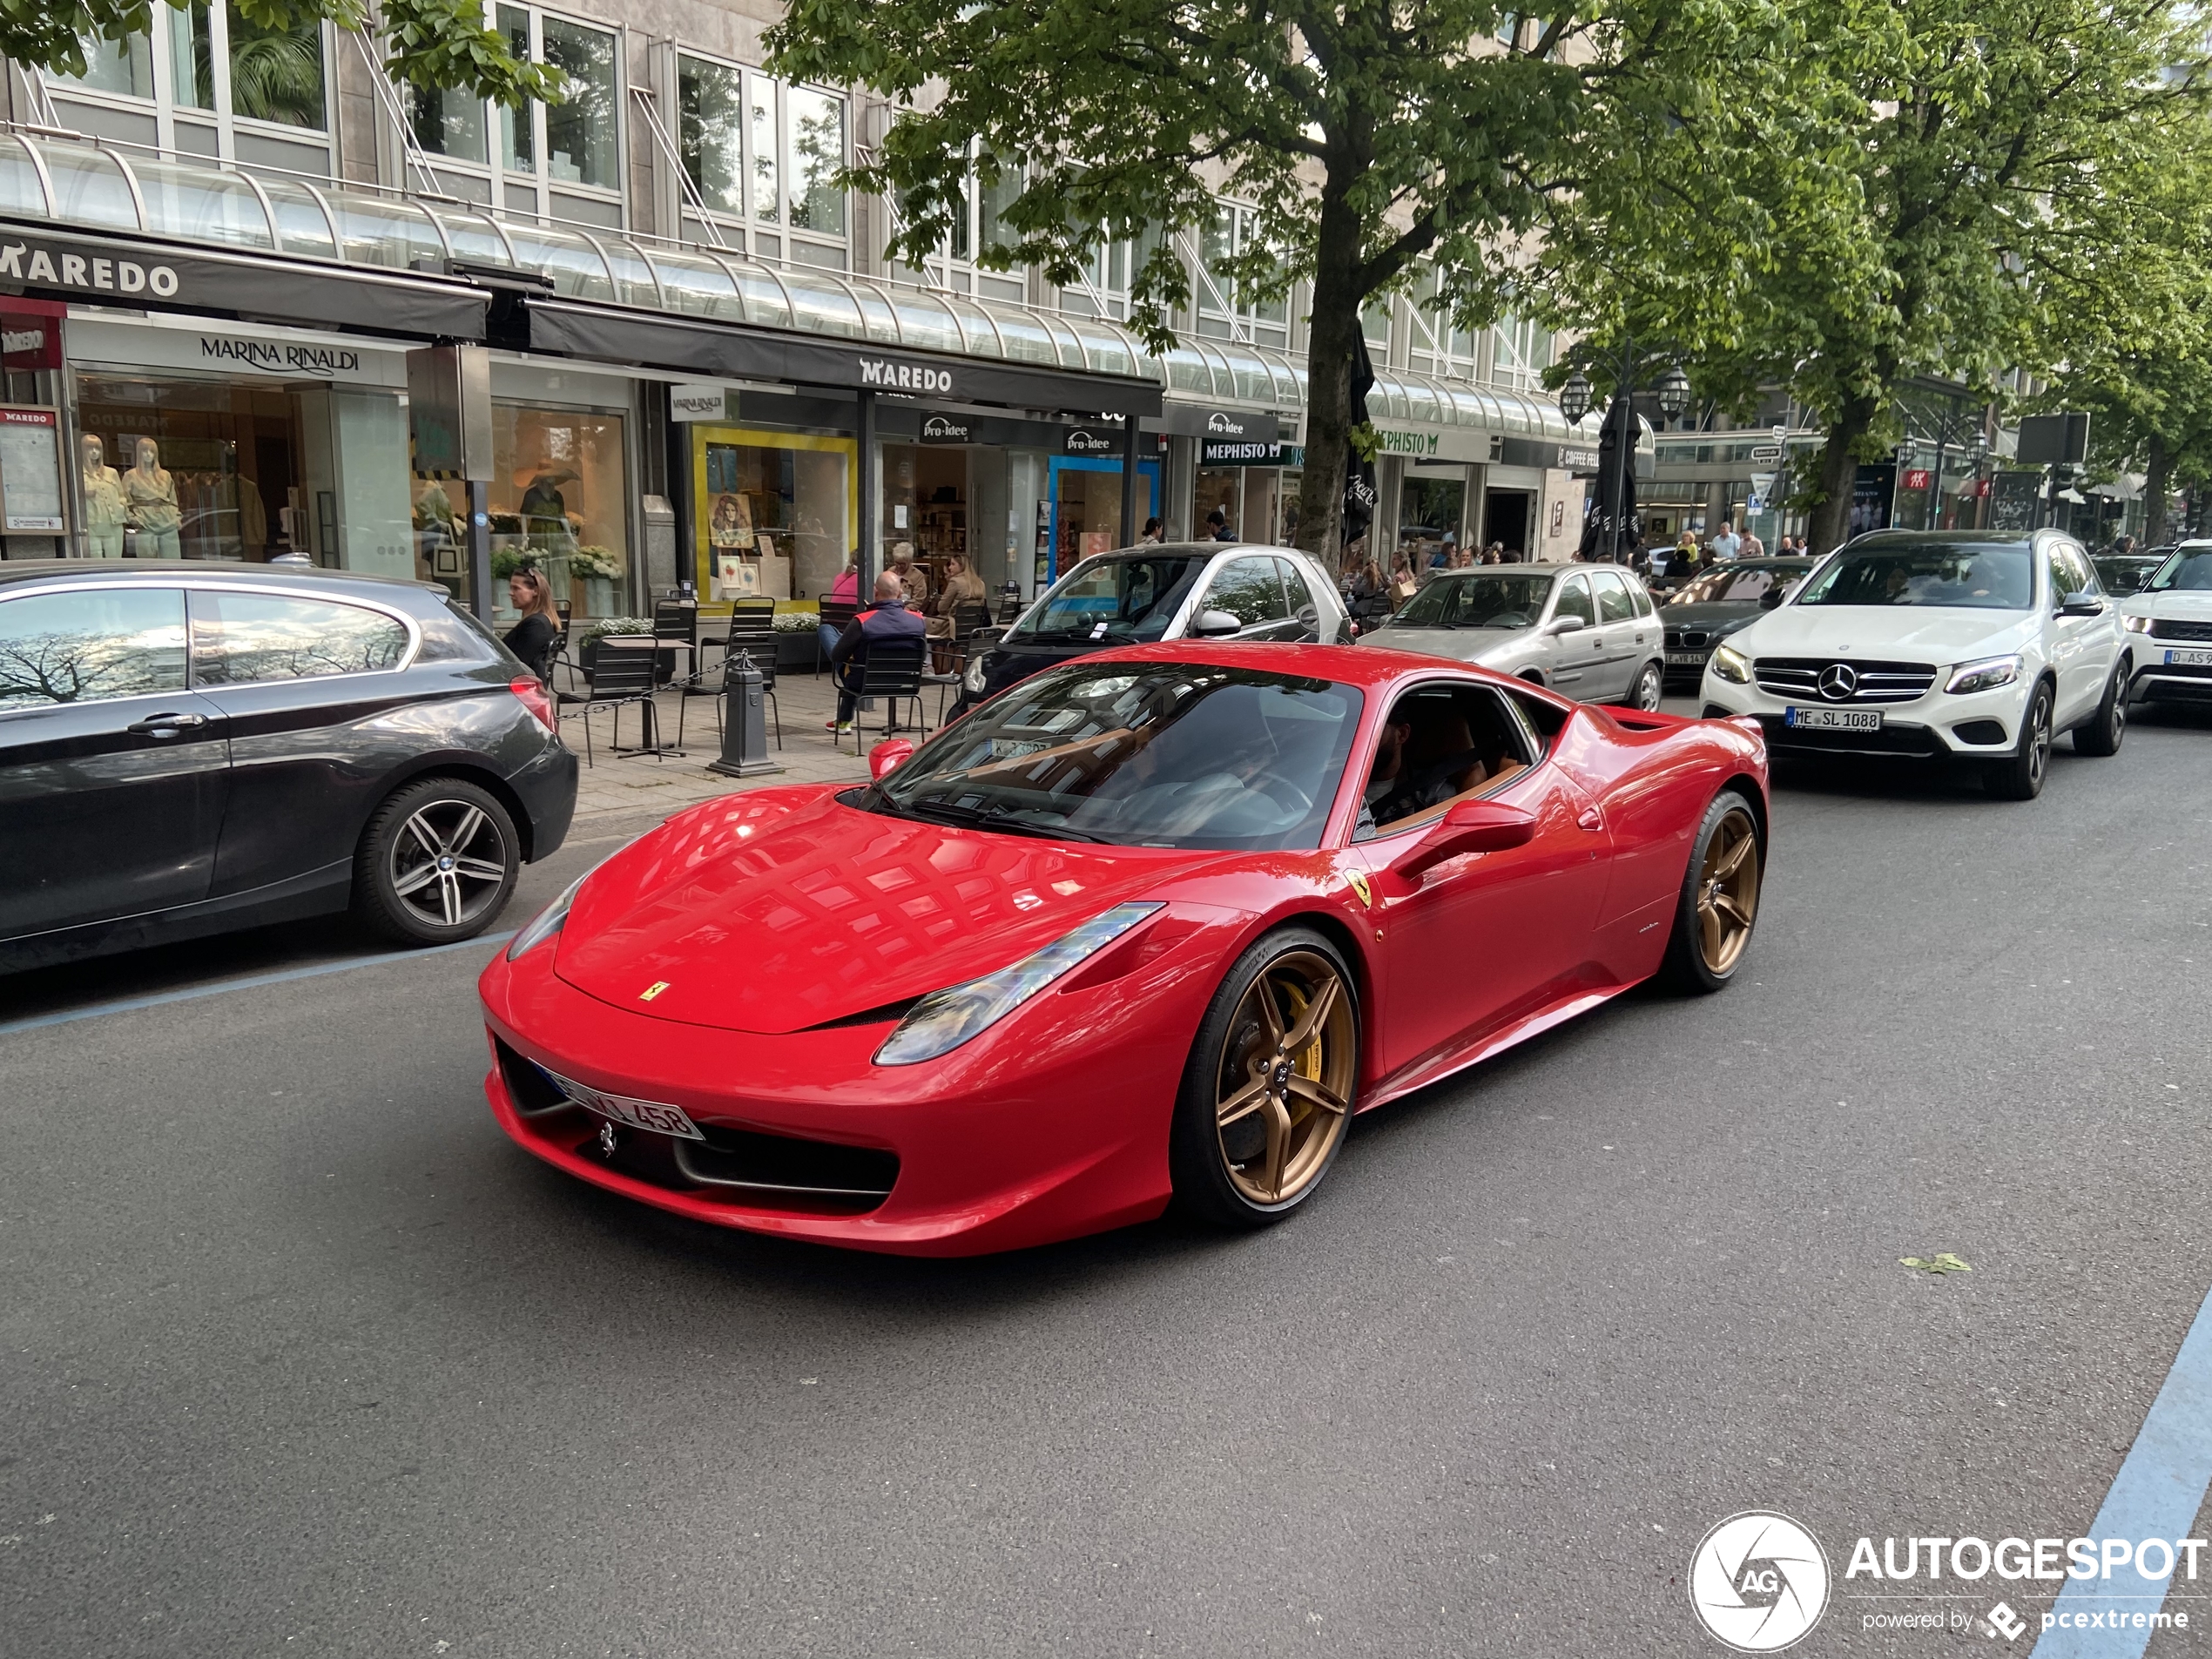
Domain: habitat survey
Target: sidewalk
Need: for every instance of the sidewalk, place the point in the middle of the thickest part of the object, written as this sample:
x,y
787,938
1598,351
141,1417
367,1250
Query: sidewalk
x,y
620,786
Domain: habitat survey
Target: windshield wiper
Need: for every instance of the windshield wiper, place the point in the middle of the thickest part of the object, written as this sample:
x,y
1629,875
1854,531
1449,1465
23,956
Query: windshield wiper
x,y
975,817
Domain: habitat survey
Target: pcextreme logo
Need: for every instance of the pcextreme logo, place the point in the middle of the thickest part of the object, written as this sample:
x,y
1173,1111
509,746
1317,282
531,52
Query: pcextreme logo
x,y
1758,1582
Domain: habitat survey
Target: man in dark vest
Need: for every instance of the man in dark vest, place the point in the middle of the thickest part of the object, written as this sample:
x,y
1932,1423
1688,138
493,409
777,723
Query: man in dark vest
x,y
887,618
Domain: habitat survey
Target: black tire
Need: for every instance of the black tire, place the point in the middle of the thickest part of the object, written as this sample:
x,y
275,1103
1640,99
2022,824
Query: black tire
x,y
1650,688
2108,727
436,863
1692,967
1207,1184
2021,778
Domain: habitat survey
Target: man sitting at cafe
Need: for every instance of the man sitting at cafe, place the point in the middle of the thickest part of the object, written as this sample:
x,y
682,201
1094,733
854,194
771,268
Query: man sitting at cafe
x,y
888,618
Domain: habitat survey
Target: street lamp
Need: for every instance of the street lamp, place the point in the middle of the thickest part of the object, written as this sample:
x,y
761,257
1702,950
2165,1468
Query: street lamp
x,y
1574,397
1674,392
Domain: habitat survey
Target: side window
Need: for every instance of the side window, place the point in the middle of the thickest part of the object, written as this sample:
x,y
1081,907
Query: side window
x,y
1643,599
2081,576
250,639
1542,720
1294,587
1248,589
90,646
1574,601
1438,743
1613,602
2061,579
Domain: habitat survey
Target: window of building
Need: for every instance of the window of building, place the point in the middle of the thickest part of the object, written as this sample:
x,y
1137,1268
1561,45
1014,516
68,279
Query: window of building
x,y
276,71
558,498
1434,345
580,143
759,151
517,151
449,124
1224,312
1521,353
122,67
779,511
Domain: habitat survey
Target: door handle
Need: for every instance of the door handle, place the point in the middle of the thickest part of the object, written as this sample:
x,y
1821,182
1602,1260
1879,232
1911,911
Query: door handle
x,y
1590,819
165,725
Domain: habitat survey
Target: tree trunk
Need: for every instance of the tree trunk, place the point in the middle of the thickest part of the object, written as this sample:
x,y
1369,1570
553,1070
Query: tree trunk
x,y
1330,338
2157,482
1829,525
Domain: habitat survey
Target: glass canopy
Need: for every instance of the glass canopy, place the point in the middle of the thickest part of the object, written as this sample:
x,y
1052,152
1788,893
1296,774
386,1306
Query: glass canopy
x,y
98,185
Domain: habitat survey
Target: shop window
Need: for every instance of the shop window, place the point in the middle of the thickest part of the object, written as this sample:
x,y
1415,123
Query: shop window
x,y
1219,490
925,506
1428,511
580,132
251,638
205,469
276,71
559,500
775,512
88,647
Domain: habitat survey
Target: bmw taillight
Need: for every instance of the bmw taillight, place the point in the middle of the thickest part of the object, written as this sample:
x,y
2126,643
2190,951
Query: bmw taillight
x,y
537,700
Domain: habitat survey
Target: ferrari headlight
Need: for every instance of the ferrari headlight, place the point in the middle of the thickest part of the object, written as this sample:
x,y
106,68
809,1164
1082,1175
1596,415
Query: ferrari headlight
x,y
1985,675
943,1020
549,921
2136,624
973,680
1732,665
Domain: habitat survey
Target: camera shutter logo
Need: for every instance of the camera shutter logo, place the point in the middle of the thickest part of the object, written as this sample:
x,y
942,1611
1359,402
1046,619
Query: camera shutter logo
x,y
1758,1582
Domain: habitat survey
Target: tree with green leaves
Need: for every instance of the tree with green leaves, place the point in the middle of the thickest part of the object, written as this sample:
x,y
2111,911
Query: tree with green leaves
x,y
1369,136
434,44
1926,201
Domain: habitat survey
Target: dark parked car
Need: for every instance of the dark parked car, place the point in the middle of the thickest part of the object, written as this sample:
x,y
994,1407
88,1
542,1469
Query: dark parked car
x,y
2125,573
1714,603
187,748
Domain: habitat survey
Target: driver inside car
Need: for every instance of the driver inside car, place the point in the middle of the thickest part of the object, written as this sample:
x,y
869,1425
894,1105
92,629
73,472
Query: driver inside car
x,y
1428,755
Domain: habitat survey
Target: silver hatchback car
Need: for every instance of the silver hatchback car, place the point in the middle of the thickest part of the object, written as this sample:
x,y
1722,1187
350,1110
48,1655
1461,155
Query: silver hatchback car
x,y
1587,631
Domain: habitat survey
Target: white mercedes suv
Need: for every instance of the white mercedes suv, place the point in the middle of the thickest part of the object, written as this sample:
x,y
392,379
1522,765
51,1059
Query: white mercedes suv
x,y
2169,628
1978,645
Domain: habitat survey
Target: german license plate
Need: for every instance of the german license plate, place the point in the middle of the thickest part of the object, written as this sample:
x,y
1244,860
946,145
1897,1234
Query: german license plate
x,y
1834,719
2189,659
1687,658
637,1113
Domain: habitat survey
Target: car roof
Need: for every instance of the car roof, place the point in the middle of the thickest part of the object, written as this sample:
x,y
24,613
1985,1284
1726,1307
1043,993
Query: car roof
x,y
1547,567
1944,538
1193,550
1367,669
306,577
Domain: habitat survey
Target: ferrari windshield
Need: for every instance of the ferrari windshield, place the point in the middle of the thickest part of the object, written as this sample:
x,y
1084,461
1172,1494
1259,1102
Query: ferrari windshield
x,y
1117,601
1737,584
1478,599
2189,569
1138,754
1970,576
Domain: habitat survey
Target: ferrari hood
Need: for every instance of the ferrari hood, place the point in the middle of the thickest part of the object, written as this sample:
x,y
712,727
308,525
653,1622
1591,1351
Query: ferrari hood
x,y
826,911
1908,633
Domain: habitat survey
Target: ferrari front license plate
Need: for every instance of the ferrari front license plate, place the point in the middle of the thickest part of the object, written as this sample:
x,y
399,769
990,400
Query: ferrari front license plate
x,y
1685,659
2189,659
637,1113
1834,719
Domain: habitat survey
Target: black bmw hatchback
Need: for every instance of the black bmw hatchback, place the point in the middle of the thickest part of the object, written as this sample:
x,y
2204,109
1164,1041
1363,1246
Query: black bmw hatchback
x,y
187,748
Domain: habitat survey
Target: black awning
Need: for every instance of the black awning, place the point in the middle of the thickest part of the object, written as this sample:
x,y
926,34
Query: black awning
x,y
728,351
86,266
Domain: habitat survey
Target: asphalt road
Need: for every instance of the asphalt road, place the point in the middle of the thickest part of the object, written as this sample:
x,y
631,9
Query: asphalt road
x,y
298,1355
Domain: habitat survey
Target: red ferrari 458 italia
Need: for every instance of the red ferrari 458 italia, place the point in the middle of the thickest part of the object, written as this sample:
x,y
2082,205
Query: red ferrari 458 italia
x,y
1150,925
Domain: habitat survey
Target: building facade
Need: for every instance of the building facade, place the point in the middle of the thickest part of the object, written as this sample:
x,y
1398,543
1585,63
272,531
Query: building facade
x,y
218,247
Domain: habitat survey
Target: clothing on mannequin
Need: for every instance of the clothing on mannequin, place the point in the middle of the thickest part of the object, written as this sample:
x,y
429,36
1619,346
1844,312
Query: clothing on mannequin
x,y
104,509
149,499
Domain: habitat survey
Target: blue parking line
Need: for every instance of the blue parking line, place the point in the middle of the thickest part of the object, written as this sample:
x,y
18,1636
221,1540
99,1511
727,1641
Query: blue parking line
x,y
130,1004
2157,1493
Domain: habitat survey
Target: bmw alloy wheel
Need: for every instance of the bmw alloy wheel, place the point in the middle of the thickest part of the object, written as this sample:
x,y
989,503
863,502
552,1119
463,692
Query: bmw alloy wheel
x,y
449,863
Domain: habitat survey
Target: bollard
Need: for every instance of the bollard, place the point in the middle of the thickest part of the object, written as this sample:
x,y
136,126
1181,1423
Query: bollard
x,y
744,722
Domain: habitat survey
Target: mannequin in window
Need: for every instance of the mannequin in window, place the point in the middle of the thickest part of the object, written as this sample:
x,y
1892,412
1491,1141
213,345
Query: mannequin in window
x,y
102,502
150,497
545,511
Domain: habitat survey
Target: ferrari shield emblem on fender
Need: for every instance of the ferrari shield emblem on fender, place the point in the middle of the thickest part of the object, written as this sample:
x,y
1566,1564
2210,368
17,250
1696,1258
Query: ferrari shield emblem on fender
x,y
652,990
1360,886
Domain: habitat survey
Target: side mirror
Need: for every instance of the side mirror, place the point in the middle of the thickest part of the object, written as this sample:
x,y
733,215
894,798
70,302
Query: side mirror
x,y
1772,599
1470,826
2083,604
1212,624
886,757
1563,625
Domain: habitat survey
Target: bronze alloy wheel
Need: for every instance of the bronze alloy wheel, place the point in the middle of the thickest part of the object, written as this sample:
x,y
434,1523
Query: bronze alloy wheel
x,y
1728,892
1284,1090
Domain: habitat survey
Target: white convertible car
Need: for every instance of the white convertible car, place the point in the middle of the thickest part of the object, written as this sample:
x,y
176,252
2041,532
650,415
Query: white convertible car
x,y
2169,628
1974,645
